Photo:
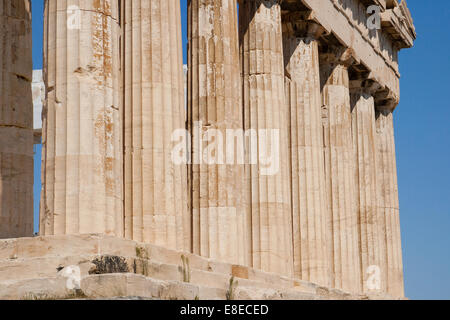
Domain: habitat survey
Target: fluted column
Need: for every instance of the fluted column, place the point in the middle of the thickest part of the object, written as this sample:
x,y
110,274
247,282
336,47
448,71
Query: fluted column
x,y
220,222
372,226
156,208
340,169
82,170
388,196
266,115
16,120
309,200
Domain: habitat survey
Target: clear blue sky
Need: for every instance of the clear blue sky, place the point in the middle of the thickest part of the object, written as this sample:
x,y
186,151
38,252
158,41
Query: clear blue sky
x,y
423,147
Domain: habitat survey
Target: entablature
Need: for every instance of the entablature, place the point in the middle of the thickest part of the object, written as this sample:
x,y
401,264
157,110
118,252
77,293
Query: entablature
x,y
398,23
375,51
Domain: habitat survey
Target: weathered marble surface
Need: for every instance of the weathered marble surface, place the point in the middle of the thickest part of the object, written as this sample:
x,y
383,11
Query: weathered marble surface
x,y
215,119
388,200
311,192
82,144
265,108
156,204
372,225
343,238
38,89
16,120
96,267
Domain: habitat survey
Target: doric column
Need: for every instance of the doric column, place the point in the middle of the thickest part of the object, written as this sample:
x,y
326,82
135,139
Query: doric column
x,y
220,224
372,227
156,208
82,167
339,167
16,120
309,198
388,197
266,116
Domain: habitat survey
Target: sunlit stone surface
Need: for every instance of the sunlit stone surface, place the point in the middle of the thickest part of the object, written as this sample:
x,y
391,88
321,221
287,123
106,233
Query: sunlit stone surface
x,y
82,126
136,149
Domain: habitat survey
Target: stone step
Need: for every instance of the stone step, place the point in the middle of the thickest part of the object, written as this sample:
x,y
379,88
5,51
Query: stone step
x,y
22,269
36,289
44,255
51,266
106,286
50,257
136,287
73,245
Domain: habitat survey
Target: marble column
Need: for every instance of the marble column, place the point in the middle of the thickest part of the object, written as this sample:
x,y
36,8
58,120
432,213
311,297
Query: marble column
x,y
156,208
343,248
220,223
82,147
388,197
16,120
266,115
372,227
309,198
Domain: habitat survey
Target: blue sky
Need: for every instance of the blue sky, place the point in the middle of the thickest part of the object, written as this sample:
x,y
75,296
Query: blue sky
x,y
423,147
